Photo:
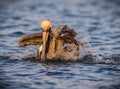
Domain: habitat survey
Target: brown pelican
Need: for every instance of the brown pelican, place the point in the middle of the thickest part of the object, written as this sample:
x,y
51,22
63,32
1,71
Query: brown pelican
x,y
56,43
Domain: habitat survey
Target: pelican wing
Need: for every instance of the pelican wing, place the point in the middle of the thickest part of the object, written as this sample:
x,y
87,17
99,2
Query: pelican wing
x,y
65,33
62,32
31,39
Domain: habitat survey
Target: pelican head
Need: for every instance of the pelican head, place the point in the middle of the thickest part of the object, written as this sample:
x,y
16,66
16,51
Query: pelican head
x,y
46,27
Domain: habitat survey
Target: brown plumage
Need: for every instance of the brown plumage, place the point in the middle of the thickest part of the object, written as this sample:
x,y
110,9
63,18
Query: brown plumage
x,y
62,32
31,39
56,49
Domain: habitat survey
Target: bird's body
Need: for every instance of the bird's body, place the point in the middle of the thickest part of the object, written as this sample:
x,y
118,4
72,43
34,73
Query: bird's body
x,y
59,43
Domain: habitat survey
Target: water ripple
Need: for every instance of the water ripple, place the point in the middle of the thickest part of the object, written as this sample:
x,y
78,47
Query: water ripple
x,y
98,25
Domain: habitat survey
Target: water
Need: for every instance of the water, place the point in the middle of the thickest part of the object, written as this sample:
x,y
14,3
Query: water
x,y
98,25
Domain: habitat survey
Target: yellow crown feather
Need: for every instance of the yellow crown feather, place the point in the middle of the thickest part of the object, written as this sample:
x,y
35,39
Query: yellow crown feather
x,y
46,25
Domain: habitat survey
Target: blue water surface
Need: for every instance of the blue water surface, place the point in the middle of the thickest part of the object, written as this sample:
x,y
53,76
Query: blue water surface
x,y
97,23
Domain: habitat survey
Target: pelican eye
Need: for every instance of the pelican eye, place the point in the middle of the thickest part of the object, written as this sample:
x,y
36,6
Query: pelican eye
x,y
46,30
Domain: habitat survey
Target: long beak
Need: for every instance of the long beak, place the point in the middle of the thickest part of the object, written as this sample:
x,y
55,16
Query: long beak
x,y
45,36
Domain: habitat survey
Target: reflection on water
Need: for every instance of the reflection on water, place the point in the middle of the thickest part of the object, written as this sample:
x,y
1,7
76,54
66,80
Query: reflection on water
x,y
98,26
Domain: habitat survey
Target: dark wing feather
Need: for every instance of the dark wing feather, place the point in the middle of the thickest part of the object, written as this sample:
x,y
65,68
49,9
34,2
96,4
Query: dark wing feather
x,y
65,33
31,39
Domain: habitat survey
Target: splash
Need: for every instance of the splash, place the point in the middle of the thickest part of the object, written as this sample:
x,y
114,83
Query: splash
x,y
98,58
28,53
83,55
